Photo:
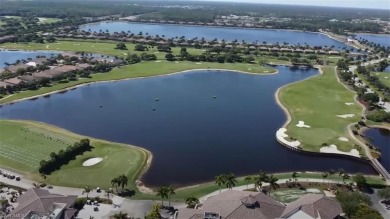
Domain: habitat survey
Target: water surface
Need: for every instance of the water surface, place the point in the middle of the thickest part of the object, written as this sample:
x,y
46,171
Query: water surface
x,y
192,135
381,139
382,39
10,57
209,33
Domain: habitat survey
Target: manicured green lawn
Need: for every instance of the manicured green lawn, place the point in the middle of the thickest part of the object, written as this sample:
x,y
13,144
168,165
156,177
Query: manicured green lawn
x,y
143,69
48,20
317,101
384,77
23,144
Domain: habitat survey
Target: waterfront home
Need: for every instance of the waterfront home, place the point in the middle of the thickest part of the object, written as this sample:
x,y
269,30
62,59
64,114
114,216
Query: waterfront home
x,y
13,81
39,203
3,84
286,50
257,205
14,68
308,51
333,52
28,78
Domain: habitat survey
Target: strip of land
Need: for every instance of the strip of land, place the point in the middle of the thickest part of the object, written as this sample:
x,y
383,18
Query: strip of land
x,y
322,103
23,144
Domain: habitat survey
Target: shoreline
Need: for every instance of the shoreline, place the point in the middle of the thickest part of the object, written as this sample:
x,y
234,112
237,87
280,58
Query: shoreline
x,y
125,79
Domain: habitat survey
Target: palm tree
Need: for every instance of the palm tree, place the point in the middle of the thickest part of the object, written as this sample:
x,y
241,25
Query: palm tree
x,y
248,179
120,215
170,192
272,183
220,180
345,177
192,201
123,180
341,172
324,175
230,181
257,181
331,172
115,183
108,193
163,193
87,190
295,176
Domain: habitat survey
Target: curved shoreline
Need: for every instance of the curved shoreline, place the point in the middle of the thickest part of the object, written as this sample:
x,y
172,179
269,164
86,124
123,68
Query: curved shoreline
x,y
125,79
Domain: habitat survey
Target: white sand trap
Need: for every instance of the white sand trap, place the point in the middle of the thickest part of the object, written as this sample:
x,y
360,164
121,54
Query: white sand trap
x,y
76,44
249,69
176,62
301,124
158,61
47,46
332,149
349,104
386,77
266,71
92,161
346,116
198,63
343,139
125,54
92,46
156,52
377,73
281,135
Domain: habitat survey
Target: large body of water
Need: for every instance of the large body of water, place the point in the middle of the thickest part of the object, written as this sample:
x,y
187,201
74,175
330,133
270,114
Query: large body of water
x,y
209,33
382,39
192,135
381,139
10,57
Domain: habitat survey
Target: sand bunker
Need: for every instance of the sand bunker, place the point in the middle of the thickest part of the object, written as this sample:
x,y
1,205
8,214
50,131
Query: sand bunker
x,y
158,61
92,161
198,63
301,124
281,135
345,116
349,104
332,149
386,77
343,139
47,46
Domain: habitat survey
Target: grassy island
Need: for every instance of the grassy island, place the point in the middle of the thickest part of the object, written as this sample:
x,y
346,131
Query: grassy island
x,y
23,144
317,102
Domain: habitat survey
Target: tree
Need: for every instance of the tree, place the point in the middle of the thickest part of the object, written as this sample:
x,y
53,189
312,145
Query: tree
x,y
258,182
163,193
350,201
360,180
192,201
139,47
324,176
248,179
115,183
341,172
87,190
230,181
121,46
345,177
331,172
170,57
123,180
120,215
220,180
385,193
371,97
170,193
272,183
154,214
108,193
295,176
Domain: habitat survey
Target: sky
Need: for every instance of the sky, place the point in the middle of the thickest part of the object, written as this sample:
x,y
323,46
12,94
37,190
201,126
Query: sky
x,y
380,4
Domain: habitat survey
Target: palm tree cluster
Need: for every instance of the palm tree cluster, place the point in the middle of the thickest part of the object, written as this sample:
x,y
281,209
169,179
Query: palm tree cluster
x,y
192,201
229,180
166,192
121,181
261,178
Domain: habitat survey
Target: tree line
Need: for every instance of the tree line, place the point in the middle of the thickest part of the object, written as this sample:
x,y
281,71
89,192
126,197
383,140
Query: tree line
x,y
63,157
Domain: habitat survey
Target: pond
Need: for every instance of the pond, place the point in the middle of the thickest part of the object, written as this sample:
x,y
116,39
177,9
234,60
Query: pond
x,y
209,33
204,124
382,39
11,56
381,139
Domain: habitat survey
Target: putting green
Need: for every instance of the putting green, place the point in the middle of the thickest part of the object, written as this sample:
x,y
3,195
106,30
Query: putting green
x,y
317,101
23,144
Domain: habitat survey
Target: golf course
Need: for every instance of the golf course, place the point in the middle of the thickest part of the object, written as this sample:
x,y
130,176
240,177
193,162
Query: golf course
x,y
326,106
24,144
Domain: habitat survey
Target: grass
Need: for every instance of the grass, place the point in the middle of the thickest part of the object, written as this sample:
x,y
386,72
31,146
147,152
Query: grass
x,y
384,77
143,69
23,144
48,20
288,195
317,101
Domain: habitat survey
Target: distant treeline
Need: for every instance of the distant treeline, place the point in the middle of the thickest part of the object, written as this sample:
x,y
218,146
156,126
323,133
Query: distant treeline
x,y
63,157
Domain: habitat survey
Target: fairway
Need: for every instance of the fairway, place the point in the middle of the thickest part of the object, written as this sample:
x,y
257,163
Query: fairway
x,y
384,77
24,144
143,69
317,101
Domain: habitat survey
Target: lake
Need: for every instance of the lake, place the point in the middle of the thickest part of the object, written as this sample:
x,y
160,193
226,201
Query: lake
x,y
8,56
209,33
382,39
192,135
381,139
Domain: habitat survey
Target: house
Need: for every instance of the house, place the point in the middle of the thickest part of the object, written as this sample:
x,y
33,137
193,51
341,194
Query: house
x,y
14,68
13,81
39,203
256,205
313,206
3,84
333,52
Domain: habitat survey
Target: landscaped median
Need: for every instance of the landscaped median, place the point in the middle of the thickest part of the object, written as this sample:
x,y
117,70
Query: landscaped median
x,y
321,108
143,69
23,144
